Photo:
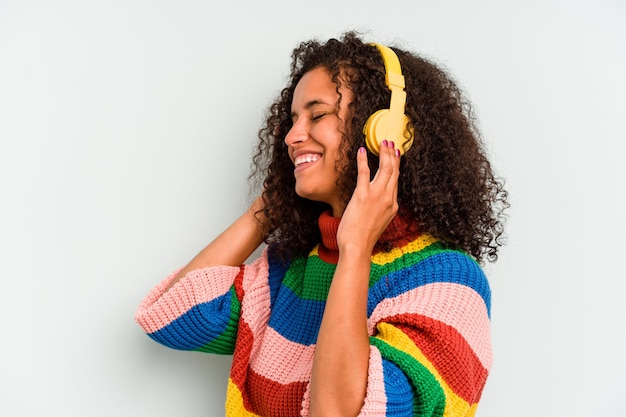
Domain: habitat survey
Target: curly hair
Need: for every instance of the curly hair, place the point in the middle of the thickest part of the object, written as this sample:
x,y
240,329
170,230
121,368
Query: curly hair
x,y
446,187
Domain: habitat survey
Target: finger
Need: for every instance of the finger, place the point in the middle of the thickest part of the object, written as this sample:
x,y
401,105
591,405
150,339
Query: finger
x,y
387,162
392,164
395,157
363,170
396,171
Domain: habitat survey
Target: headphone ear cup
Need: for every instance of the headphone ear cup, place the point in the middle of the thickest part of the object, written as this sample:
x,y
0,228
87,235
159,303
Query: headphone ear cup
x,y
371,127
385,124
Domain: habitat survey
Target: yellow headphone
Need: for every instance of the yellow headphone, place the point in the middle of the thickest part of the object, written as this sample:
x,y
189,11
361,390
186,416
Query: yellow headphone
x,y
391,124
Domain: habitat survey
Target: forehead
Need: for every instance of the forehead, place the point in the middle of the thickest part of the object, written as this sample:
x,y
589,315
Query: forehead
x,y
315,86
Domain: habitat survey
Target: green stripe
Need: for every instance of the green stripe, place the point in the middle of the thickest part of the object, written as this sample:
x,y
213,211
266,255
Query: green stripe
x,y
405,261
312,281
430,399
310,278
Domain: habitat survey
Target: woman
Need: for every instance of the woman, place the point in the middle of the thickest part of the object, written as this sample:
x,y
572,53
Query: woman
x,y
369,298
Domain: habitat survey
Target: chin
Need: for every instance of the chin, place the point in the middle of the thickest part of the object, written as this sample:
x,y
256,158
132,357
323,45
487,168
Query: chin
x,y
314,193
308,194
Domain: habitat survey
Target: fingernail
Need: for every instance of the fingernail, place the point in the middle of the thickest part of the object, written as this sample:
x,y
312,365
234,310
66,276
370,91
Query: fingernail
x,y
385,142
397,152
392,145
361,149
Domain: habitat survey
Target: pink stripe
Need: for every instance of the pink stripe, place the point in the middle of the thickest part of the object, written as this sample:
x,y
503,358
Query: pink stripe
x,y
453,304
256,298
375,403
160,308
282,360
375,398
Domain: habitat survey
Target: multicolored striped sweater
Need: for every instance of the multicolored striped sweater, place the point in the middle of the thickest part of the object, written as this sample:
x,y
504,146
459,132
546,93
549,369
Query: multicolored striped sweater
x,y
428,320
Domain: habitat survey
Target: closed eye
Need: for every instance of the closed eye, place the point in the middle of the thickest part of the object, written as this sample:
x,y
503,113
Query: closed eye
x,y
318,116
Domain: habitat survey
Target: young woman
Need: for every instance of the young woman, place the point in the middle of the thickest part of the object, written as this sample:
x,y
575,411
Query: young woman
x,y
368,298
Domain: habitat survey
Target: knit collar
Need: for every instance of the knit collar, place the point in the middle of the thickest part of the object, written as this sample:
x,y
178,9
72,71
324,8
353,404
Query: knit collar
x,y
398,233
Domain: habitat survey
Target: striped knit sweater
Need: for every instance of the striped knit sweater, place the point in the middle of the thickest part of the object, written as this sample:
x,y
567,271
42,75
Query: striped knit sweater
x,y
428,320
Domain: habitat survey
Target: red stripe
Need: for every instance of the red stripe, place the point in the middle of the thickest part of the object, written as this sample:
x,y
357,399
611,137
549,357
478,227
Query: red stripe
x,y
270,398
262,395
448,351
241,358
238,283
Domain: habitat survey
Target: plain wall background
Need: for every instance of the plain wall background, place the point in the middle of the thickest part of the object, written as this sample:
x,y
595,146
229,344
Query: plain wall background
x,y
126,129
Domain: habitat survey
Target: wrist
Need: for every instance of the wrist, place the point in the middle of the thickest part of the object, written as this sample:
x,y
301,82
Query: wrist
x,y
355,252
356,247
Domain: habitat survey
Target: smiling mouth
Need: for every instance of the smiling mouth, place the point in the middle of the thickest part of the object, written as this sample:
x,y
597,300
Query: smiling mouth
x,y
306,159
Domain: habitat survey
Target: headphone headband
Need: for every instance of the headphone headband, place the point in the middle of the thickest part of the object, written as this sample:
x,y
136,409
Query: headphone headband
x,y
392,123
393,70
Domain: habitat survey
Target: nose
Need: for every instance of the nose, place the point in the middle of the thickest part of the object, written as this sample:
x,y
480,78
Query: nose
x,y
297,134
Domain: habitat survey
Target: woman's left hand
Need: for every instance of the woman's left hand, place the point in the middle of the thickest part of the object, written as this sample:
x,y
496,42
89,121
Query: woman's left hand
x,y
373,204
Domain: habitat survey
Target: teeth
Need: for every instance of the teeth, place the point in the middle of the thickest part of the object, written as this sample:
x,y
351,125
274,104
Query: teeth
x,y
306,158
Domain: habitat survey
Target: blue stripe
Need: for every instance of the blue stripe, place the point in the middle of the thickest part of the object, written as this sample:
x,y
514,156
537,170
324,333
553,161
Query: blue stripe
x,y
296,319
199,326
277,270
398,391
447,266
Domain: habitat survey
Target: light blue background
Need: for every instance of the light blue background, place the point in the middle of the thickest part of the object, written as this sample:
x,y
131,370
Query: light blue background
x,y
126,129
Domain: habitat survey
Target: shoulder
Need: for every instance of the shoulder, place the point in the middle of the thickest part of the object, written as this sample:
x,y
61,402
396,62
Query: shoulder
x,y
425,261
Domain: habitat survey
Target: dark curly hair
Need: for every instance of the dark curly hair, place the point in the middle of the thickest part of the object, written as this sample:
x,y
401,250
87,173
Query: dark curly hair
x,y
446,185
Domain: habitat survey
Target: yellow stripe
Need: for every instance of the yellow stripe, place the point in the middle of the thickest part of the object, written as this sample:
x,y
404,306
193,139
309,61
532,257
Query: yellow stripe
x,y
383,258
416,245
234,402
455,405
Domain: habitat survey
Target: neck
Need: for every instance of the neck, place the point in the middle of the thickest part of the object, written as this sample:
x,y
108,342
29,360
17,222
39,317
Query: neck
x,y
337,209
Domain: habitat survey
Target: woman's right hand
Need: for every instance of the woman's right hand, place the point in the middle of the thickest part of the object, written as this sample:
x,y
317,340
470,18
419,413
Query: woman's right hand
x,y
234,245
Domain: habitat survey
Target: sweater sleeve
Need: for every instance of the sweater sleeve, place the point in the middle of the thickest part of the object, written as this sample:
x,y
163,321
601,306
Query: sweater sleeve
x,y
430,349
201,311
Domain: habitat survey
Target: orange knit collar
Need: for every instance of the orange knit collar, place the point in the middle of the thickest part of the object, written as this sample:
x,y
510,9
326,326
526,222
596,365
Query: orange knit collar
x,y
399,232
